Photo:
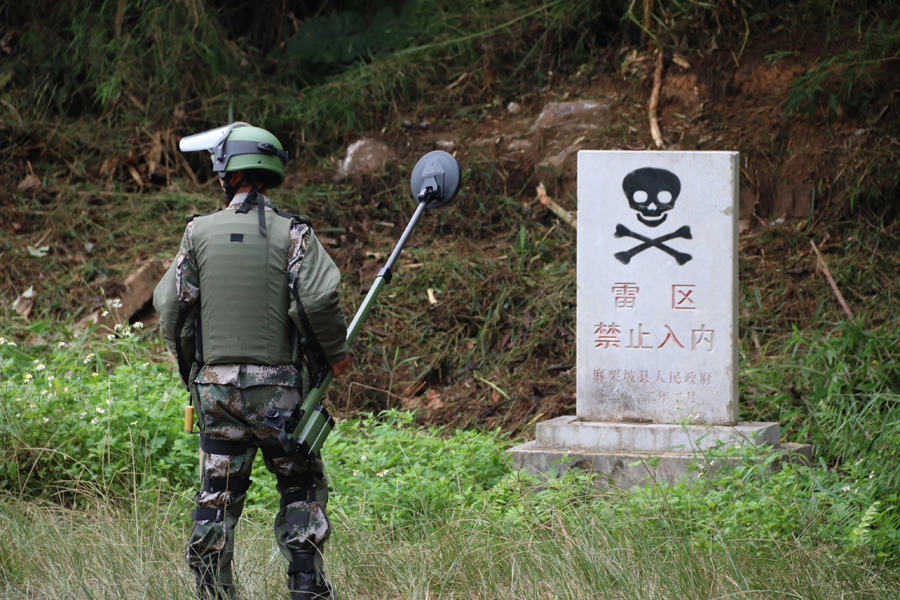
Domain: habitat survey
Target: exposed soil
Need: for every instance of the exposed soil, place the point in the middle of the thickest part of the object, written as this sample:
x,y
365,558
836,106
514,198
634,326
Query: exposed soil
x,y
792,170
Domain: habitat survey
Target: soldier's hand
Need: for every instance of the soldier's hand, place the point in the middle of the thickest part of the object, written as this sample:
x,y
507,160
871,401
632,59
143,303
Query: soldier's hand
x,y
341,366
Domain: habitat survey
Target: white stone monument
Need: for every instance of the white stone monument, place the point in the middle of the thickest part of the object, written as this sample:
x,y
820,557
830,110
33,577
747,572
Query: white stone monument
x,y
656,336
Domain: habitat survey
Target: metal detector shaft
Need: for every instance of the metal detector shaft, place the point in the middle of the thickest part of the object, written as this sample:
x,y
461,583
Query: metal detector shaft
x,y
315,423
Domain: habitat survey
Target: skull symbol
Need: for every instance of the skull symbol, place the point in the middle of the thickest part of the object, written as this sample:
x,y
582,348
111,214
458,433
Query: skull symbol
x,y
651,192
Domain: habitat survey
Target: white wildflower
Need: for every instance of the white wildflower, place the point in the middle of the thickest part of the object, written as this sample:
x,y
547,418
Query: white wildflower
x,y
88,358
104,313
115,303
138,325
27,377
40,367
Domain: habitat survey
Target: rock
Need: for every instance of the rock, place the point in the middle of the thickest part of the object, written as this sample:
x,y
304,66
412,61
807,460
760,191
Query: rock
x,y
562,163
365,156
139,286
587,114
519,147
138,291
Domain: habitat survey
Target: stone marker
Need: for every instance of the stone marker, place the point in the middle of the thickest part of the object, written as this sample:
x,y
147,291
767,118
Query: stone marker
x,y
657,287
657,316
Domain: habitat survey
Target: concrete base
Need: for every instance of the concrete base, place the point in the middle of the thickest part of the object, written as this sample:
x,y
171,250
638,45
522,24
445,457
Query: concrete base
x,y
625,469
570,433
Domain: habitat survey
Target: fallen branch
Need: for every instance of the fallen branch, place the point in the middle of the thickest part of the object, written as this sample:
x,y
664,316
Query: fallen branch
x,y
558,210
654,101
831,282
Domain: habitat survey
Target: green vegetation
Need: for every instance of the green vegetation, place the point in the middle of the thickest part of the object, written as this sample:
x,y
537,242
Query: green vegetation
x,y
90,422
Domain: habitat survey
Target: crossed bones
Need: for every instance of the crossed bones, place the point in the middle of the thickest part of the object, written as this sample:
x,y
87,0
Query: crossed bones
x,y
680,257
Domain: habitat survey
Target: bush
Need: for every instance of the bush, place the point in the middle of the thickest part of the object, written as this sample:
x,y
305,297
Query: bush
x,y
79,416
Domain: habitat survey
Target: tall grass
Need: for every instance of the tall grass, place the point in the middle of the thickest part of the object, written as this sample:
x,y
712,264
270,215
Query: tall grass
x,y
569,553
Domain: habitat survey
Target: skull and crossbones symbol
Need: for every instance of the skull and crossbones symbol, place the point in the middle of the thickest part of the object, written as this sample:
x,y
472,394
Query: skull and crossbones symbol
x,y
651,194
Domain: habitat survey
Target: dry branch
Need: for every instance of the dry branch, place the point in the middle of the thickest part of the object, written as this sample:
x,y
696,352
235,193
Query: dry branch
x,y
558,210
654,101
831,282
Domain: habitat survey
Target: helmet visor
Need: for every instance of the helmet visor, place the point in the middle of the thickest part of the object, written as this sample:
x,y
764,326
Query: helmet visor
x,y
208,140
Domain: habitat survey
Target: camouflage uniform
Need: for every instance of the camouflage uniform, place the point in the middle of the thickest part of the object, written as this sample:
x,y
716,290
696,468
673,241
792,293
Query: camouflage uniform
x,y
231,401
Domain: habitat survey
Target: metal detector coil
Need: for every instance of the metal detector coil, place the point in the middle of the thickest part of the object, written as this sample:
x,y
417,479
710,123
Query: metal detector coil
x,y
435,181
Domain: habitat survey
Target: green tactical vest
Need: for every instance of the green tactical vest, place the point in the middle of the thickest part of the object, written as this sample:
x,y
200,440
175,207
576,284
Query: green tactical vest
x,y
244,288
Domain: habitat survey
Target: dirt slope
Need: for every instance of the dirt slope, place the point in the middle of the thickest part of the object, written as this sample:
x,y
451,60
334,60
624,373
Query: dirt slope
x,y
792,169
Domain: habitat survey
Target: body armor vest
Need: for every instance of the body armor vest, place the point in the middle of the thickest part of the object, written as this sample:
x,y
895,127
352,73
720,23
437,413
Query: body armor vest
x,y
243,289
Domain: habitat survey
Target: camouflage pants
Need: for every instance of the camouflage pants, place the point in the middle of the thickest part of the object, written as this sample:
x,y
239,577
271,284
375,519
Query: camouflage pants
x,y
228,412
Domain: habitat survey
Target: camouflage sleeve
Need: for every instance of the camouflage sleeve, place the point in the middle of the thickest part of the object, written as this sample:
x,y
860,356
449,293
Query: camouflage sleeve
x,y
180,289
299,243
315,281
187,275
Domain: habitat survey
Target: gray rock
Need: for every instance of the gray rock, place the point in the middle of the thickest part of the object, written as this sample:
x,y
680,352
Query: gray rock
x,y
560,163
519,147
588,114
365,156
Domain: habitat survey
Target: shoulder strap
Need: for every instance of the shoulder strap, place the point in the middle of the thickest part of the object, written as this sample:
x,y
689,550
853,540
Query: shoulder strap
x,y
189,218
297,219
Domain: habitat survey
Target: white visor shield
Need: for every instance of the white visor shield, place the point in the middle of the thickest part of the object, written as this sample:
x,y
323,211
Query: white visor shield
x,y
208,140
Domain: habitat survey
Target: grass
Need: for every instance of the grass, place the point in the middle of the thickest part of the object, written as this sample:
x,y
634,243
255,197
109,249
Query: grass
x,y
423,513
567,553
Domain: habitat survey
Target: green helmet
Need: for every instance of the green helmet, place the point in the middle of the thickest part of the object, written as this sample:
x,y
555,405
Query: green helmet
x,y
242,147
252,149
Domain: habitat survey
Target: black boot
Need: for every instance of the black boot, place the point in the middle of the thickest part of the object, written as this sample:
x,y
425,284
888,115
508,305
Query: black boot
x,y
305,581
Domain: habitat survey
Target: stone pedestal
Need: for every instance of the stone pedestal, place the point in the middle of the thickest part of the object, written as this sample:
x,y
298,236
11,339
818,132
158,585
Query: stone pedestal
x,y
569,433
630,454
627,469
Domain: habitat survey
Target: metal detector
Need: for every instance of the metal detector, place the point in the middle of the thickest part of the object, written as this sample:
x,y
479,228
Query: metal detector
x,y
435,181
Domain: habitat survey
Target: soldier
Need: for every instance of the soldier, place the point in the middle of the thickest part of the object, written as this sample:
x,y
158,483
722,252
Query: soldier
x,y
250,309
